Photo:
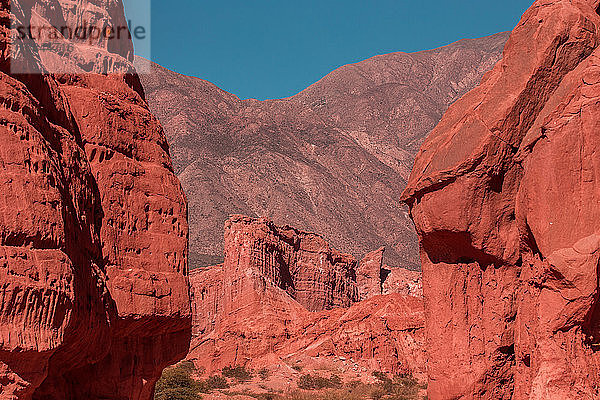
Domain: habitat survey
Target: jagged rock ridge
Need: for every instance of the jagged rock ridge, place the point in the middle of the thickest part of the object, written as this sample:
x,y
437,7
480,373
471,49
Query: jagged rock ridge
x,y
284,293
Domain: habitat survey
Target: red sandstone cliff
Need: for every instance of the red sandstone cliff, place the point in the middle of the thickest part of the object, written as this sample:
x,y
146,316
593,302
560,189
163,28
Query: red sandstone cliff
x,y
93,231
332,159
369,274
504,194
303,264
256,307
401,280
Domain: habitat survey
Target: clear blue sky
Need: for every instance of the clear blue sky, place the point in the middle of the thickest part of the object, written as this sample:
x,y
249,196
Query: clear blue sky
x,y
275,48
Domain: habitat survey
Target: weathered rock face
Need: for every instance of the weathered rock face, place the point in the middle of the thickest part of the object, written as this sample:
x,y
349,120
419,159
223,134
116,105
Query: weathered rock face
x,y
303,264
401,280
257,305
71,38
356,130
368,275
93,242
504,196
374,278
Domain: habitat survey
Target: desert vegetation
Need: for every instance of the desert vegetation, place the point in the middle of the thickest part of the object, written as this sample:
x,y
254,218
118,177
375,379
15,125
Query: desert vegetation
x,y
239,373
180,383
386,387
177,383
316,382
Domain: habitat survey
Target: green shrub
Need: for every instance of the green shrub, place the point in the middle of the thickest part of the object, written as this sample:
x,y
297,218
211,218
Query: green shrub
x,y
388,387
335,381
356,391
297,368
266,396
176,383
212,383
377,394
239,373
263,374
257,396
381,376
386,383
315,382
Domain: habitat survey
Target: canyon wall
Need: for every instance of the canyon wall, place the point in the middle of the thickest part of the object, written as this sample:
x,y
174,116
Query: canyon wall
x,y
504,195
284,293
93,229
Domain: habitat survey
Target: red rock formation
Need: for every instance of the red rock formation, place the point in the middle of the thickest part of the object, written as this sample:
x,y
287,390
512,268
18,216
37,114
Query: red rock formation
x,y
256,305
403,281
332,159
93,248
504,196
368,274
375,278
303,264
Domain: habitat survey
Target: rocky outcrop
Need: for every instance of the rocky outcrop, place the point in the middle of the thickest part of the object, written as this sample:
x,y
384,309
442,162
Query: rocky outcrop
x,y
504,197
401,280
332,159
284,293
369,274
374,278
93,242
303,264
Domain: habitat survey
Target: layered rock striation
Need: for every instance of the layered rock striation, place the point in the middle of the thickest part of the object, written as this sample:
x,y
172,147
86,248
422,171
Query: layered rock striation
x,y
504,196
282,293
93,229
303,264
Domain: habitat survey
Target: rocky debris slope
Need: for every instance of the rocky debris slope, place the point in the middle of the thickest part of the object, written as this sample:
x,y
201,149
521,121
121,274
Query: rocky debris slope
x,y
333,159
504,195
256,307
93,243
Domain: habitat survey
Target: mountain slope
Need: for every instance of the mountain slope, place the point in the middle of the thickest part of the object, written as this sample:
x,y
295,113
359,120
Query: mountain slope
x,y
332,159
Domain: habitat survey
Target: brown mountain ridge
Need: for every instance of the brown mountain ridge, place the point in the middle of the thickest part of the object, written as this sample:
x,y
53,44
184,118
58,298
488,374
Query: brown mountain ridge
x,y
332,159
